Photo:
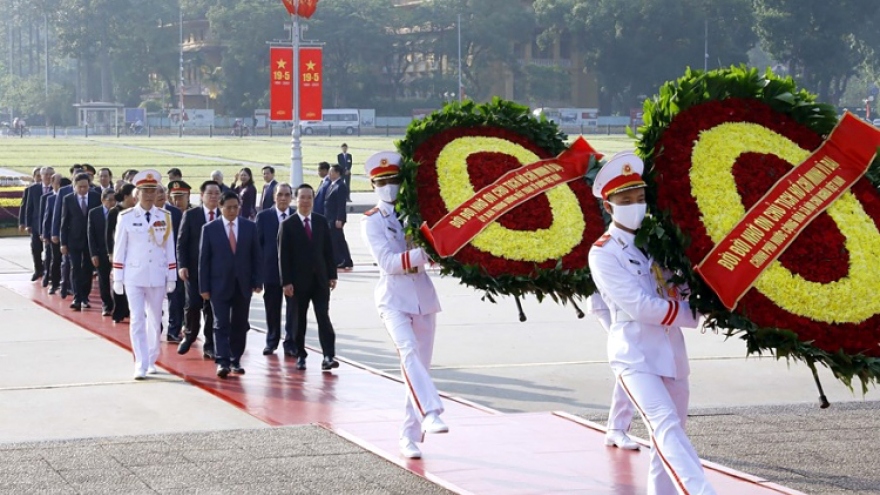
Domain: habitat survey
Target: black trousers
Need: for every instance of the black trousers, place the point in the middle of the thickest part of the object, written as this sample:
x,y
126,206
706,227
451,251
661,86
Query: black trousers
x,y
104,286
341,254
81,274
120,307
231,324
54,272
37,252
176,303
273,296
195,308
319,297
47,262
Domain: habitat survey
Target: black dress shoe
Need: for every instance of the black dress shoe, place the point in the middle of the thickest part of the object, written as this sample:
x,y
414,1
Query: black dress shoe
x,y
75,307
86,305
35,277
208,353
64,294
289,353
301,363
268,351
174,339
222,371
106,312
329,363
237,369
53,290
184,346
45,282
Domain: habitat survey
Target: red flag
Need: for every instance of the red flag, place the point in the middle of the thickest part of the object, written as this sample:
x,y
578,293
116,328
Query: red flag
x,y
280,83
310,83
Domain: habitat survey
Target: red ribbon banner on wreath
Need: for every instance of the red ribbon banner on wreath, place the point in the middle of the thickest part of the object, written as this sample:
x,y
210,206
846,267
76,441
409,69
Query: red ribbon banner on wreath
x,y
774,222
461,225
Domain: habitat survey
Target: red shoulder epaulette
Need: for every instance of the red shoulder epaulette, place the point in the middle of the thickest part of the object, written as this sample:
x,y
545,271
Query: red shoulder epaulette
x,y
371,211
602,240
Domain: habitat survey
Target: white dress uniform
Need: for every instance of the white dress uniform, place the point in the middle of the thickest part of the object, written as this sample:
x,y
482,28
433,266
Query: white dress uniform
x,y
144,260
407,304
646,348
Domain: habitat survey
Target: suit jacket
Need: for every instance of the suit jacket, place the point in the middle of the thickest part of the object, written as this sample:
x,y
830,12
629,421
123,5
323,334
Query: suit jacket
x,y
248,196
32,207
56,215
47,202
267,232
98,233
321,195
189,238
220,268
335,203
302,261
344,161
110,228
268,199
23,208
74,223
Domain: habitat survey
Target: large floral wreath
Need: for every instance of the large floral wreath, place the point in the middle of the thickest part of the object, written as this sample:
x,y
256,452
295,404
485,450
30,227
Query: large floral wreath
x,y
539,247
820,301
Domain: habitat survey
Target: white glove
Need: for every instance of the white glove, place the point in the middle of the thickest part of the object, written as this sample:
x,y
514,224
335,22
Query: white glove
x,y
118,288
170,286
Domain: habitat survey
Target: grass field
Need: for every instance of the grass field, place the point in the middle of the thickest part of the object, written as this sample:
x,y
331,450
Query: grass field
x,y
198,156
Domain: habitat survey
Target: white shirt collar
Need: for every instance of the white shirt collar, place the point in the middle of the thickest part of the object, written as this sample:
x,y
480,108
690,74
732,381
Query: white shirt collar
x,y
208,213
279,212
303,218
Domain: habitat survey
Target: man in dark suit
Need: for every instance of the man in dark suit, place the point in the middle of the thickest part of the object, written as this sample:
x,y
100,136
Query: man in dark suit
x,y
188,241
335,210
177,297
74,238
178,190
53,256
268,198
321,192
229,272
35,174
268,223
344,161
124,200
217,176
66,288
98,247
32,224
308,274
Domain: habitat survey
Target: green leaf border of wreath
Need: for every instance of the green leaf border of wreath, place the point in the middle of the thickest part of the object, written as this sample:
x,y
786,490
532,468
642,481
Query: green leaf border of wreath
x,y
665,241
562,286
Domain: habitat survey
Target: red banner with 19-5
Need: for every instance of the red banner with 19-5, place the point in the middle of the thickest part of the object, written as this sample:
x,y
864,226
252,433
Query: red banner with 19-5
x,y
281,80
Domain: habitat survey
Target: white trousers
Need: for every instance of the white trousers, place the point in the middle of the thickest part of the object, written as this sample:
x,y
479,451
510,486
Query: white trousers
x,y
145,304
663,402
620,415
413,335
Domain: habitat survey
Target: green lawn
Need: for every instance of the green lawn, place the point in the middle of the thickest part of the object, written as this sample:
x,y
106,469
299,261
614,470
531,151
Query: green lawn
x,y
198,156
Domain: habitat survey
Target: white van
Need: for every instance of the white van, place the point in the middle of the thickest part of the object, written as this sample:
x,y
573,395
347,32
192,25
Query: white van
x,y
341,120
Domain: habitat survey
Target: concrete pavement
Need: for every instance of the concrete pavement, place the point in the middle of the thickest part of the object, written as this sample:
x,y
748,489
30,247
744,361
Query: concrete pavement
x,y
756,415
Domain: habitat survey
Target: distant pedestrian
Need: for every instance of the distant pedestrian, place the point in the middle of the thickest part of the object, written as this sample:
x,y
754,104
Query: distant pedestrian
x,y
321,191
247,194
267,199
335,209
345,162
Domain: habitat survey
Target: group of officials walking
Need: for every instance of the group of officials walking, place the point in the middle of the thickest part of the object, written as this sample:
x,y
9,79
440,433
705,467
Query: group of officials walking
x,y
290,254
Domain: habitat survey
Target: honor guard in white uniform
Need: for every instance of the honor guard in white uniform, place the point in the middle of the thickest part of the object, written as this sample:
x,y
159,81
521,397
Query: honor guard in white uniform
x,y
145,268
407,303
646,347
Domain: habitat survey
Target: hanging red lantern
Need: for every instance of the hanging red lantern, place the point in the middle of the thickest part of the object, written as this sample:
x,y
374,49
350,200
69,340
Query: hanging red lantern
x,y
302,8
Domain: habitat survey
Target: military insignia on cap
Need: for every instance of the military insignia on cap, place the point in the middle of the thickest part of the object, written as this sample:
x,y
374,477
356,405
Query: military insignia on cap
x,y
627,169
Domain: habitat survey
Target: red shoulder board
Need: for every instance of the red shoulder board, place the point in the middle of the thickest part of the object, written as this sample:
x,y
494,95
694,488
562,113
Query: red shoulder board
x,y
602,240
371,211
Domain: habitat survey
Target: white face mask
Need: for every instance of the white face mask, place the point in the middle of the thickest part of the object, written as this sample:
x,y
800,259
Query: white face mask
x,y
630,216
388,192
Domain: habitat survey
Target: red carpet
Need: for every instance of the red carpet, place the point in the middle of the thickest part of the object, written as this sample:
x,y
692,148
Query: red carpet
x,y
485,453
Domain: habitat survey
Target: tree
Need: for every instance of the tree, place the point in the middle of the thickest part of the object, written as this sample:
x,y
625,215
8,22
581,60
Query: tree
x,y
636,45
822,42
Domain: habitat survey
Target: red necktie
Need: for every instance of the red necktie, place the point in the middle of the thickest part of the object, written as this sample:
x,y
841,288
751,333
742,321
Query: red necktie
x,y
211,216
231,237
308,228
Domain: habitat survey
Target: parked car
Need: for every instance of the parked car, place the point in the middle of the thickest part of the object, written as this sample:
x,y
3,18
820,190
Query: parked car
x,y
876,122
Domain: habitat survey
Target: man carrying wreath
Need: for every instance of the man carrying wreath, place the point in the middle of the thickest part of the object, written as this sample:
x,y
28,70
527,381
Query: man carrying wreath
x,y
646,348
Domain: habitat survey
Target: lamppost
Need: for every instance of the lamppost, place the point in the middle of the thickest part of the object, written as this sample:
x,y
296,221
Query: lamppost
x,y
180,86
296,170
